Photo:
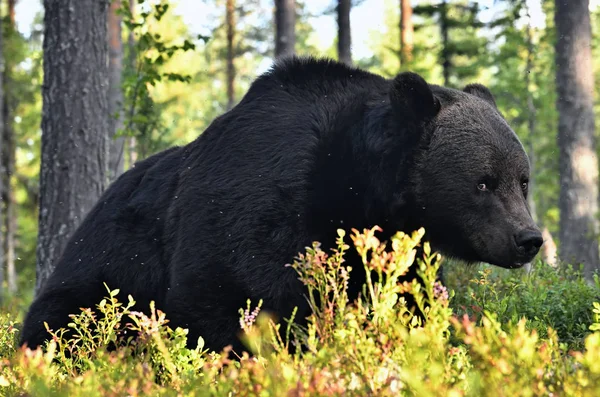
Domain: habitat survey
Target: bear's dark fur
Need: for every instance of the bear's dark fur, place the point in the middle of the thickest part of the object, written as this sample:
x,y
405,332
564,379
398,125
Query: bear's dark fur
x,y
313,146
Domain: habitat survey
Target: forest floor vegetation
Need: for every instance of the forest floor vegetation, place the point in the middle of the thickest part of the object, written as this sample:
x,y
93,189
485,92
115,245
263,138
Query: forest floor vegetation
x,y
487,332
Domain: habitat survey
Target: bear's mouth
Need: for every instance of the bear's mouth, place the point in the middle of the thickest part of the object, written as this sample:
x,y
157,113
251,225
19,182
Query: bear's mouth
x,y
517,265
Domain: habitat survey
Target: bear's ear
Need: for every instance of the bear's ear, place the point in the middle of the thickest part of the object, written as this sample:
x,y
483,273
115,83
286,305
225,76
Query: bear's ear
x,y
412,98
482,92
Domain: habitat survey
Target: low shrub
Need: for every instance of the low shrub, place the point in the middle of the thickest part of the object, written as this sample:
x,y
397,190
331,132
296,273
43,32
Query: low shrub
x,y
374,346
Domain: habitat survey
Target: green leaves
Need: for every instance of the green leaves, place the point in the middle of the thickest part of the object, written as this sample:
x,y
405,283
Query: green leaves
x,y
152,51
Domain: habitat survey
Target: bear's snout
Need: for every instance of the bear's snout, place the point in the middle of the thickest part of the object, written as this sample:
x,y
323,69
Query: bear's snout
x,y
528,242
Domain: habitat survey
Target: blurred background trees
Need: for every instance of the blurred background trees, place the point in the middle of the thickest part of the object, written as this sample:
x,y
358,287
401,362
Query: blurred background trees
x,y
174,65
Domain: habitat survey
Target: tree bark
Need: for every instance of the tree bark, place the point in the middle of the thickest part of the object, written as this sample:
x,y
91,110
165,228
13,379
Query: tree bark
x,y
132,145
116,146
1,163
74,122
445,42
285,27
10,219
11,10
230,23
344,33
578,200
10,149
406,34
531,113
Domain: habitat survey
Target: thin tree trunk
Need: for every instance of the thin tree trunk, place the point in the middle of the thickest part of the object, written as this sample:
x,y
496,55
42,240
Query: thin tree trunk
x,y
74,122
549,250
445,42
132,148
285,27
115,94
2,171
531,114
132,151
10,220
11,231
230,22
10,147
344,33
406,34
11,10
578,201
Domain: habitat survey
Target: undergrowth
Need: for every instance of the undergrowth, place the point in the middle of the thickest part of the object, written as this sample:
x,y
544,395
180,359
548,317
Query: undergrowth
x,y
537,335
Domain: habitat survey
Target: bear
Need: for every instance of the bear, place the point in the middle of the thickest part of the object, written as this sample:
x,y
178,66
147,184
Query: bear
x,y
313,146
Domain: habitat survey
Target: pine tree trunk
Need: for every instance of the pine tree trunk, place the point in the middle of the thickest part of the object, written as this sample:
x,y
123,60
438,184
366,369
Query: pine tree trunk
x,y
344,34
10,219
11,231
11,10
131,147
230,23
578,201
285,27
445,42
531,114
116,146
406,34
2,171
10,147
74,122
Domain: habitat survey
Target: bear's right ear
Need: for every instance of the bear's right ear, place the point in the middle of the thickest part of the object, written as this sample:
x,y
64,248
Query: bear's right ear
x,y
412,98
481,91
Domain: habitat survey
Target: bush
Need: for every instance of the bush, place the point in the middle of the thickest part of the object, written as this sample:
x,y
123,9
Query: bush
x,y
547,297
375,346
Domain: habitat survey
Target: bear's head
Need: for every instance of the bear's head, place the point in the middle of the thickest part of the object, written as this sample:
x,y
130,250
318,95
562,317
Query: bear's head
x,y
471,173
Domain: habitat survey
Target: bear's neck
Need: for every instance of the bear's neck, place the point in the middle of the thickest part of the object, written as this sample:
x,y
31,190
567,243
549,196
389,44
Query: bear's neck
x,y
357,178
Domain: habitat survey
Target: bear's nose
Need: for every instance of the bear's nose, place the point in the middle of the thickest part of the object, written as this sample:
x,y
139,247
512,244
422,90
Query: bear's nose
x,y
529,241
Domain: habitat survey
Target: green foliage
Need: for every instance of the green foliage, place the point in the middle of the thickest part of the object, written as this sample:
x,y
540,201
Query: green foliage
x,y
142,114
460,47
547,297
386,47
374,346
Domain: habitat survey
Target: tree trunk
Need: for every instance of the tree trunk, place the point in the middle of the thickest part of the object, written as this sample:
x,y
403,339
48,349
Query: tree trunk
x,y
10,150
445,42
285,27
230,23
116,146
11,10
11,231
2,172
74,122
10,220
531,113
530,122
578,201
344,38
132,151
406,34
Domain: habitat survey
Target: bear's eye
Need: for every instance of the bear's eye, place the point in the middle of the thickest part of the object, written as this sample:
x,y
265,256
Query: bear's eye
x,y
482,186
524,185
